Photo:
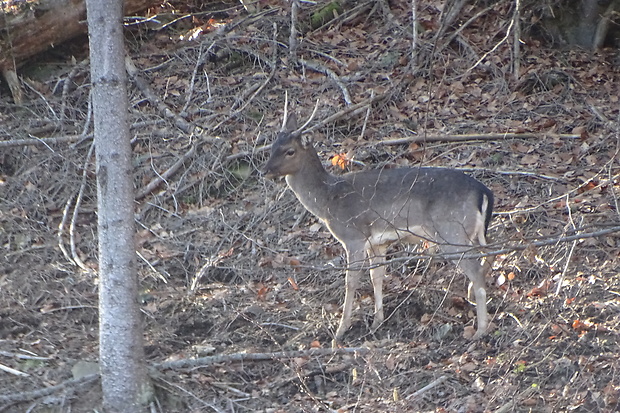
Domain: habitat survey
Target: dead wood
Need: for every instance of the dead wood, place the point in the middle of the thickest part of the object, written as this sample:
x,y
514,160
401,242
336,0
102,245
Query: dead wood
x,y
144,87
245,357
47,24
187,363
472,137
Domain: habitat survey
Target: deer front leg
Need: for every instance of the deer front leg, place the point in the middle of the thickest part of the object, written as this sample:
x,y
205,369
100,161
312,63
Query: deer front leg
x,y
377,273
355,260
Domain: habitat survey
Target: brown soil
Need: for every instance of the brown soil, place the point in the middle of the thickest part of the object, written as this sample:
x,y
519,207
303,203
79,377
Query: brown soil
x,y
231,263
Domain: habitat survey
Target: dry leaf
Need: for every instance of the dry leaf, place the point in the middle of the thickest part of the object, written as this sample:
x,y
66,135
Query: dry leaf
x,y
587,187
293,284
468,332
341,160
583,326
530,159
261,293
540,290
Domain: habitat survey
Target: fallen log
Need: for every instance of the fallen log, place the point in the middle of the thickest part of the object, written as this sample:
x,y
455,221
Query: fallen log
x,y
29,28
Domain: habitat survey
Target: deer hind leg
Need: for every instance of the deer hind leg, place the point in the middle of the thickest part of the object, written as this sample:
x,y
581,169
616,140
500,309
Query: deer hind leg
x,y
376,256
476,274
355,262
486,264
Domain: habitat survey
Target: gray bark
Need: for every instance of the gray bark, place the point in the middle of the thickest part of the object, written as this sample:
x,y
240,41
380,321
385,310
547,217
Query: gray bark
x,y
583,23
121,353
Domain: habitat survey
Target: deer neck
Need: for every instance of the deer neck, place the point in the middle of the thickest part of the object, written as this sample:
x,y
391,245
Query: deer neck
x,y
311,184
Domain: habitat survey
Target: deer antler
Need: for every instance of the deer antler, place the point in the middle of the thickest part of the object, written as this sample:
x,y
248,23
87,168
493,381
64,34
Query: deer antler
x,y
309,119
285,111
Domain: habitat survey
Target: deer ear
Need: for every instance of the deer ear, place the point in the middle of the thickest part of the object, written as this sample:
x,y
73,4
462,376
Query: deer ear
x,y
305,141
291,123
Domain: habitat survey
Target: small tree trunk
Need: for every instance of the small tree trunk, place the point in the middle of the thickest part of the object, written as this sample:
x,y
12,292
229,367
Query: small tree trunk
x,y
121,352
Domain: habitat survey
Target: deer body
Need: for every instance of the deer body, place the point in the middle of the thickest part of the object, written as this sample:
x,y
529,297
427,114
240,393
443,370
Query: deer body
x,y
367,211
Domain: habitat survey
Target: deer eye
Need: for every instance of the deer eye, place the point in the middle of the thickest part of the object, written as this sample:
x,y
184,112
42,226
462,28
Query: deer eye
x,y
290,152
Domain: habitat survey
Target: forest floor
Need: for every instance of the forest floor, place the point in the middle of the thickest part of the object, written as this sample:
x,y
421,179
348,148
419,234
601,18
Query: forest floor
x,y
232,266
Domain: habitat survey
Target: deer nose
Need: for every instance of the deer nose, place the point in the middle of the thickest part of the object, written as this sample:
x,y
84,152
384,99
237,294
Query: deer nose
x,y
266,172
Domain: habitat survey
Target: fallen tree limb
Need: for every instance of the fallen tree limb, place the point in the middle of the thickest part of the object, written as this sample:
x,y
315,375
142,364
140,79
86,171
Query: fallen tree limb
x,y
237,357
186,363
151,186
431,138
473,137
44,141
35,394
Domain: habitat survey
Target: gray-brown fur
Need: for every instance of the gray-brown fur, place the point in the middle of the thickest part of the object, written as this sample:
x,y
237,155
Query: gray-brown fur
x,y
366,211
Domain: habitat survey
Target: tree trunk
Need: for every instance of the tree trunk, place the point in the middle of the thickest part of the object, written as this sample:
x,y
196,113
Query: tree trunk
x,y
125,385
584,23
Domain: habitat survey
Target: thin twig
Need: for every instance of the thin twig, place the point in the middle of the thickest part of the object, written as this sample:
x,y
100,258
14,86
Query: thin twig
x,y
494,48
572,248
69,307
89,115
206,404
317,67
521,173
141,84
347,111
160,275
365,124
426,388
467,254
247,102
22,356
13,371
447,17
61,228
188,363
66,85
76,209
192,81
259,89
169,172
458,31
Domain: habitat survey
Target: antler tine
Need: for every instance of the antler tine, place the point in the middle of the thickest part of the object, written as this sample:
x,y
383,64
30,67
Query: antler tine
x,y
285,111
309,119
